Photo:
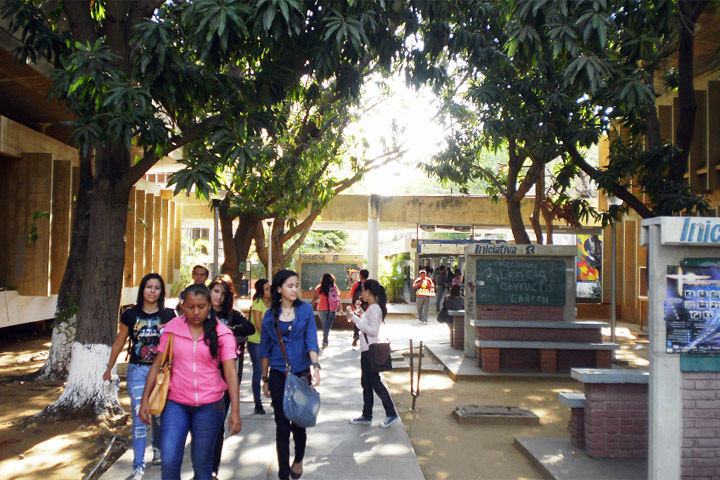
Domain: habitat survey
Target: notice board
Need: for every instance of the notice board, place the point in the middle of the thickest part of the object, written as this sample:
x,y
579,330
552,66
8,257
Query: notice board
x,y
692,307
504,281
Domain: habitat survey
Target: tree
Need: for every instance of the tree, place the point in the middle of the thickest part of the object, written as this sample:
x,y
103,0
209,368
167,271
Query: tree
x,y
566,73
144,78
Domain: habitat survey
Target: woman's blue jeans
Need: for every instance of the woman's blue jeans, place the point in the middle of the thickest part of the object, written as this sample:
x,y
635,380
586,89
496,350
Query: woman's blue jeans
x,y
326,320
203,423
135,380
254,351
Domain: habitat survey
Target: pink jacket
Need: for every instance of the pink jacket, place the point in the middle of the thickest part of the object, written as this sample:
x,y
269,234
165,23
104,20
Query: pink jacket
x,y
196,378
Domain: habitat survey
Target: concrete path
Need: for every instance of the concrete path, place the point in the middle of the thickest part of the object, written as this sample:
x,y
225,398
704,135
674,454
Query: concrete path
x,y
335,448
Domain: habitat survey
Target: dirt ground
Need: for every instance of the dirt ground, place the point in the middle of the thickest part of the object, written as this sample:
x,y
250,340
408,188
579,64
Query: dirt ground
x,y
30,449
445,448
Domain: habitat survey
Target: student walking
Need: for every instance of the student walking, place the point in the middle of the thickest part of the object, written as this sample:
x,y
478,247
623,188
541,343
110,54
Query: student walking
x,y
142,323
195,399
294,320
327,299
222,297
369,324
424,290
261,302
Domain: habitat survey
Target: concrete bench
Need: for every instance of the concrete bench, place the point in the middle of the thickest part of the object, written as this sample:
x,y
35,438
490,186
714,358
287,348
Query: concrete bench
x,y
610,420
576,425
539,330
547,357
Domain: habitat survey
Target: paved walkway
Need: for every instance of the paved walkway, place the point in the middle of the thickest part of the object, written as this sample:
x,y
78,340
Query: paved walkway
x,y
335,448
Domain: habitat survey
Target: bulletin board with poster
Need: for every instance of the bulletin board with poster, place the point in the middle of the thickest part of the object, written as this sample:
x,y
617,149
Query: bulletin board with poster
x,y
312,266
692,307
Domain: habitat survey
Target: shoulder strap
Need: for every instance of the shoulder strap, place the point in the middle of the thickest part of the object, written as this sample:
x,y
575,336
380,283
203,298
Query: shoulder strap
x,y
282,346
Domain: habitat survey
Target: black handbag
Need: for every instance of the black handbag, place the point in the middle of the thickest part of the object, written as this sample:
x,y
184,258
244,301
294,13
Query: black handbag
x,y
380,359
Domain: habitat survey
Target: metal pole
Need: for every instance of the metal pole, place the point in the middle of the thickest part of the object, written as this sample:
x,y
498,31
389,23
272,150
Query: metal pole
x,y
412,390
613,285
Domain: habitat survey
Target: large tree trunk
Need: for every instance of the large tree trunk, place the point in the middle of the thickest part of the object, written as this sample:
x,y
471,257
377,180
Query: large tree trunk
x,y
517,225
539,197
237,245
688,13
63,336
84,393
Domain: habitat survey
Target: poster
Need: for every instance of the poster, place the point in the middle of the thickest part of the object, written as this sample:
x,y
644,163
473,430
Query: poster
x,y
589,258
692,309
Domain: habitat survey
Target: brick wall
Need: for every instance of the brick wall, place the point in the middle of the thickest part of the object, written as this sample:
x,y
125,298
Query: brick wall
x,y
701,425
616,420
578,335
457,333
520,312
577,427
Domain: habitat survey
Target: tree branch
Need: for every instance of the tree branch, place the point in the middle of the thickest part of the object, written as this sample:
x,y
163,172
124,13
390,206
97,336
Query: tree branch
x,y
616,190
193,133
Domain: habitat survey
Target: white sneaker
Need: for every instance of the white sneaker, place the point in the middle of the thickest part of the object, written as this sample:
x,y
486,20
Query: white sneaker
x,y
138,474
157,458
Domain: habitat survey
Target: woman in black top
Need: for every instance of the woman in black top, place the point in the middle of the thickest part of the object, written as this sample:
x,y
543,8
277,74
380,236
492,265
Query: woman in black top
x,y
142,323
222,298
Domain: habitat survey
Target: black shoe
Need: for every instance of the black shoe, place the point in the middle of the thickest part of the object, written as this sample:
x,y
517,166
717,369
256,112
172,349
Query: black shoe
x,y
259,409
295,475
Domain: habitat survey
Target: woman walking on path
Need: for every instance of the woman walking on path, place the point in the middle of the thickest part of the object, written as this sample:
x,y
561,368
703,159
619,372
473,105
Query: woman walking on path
x,y
195,397
327,297
222,297
142,323
369,324
295,321
261,302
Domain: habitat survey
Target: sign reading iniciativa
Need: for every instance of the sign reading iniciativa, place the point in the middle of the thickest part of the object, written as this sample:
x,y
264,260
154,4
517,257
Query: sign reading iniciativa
x,y
690,230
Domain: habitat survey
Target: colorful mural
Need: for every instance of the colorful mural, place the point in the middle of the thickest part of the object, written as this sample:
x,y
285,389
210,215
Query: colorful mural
x,y
589,258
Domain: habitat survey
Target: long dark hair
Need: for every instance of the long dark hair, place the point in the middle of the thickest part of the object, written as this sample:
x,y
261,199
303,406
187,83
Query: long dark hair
x,y
455,291
278,280
378,291
161,299
326,283
210,323
227,305
259,288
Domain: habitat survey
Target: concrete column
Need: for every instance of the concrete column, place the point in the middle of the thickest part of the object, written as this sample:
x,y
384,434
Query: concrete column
x,y
668,243
373,235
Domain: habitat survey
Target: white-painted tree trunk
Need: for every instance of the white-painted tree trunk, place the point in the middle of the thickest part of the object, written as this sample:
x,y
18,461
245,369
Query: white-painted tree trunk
x,y
58,363
85,391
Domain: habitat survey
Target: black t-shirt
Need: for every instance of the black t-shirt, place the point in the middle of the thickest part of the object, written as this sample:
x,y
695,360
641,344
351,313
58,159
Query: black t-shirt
x,y
240,326
144,329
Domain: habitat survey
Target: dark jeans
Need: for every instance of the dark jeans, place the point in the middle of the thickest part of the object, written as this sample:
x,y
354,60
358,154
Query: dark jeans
x,y
371,382
203,423
220,439
283,426
254,351
356,332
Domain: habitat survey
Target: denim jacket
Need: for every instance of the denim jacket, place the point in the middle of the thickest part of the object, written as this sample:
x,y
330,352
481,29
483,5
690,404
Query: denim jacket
x,y
301,340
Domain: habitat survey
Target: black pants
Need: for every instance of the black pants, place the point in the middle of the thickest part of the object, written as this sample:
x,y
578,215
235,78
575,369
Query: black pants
x,y
371,382
217,452
356,332
283,426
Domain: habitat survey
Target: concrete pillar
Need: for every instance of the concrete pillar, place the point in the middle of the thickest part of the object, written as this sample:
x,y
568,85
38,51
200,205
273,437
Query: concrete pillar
x,y
373,235
670,240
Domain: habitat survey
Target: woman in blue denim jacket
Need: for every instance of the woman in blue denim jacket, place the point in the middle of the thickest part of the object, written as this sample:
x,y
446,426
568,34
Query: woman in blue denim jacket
x,y
296,321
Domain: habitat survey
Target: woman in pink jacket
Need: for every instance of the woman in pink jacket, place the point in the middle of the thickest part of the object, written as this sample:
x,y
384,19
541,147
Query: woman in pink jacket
x,y
195,398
